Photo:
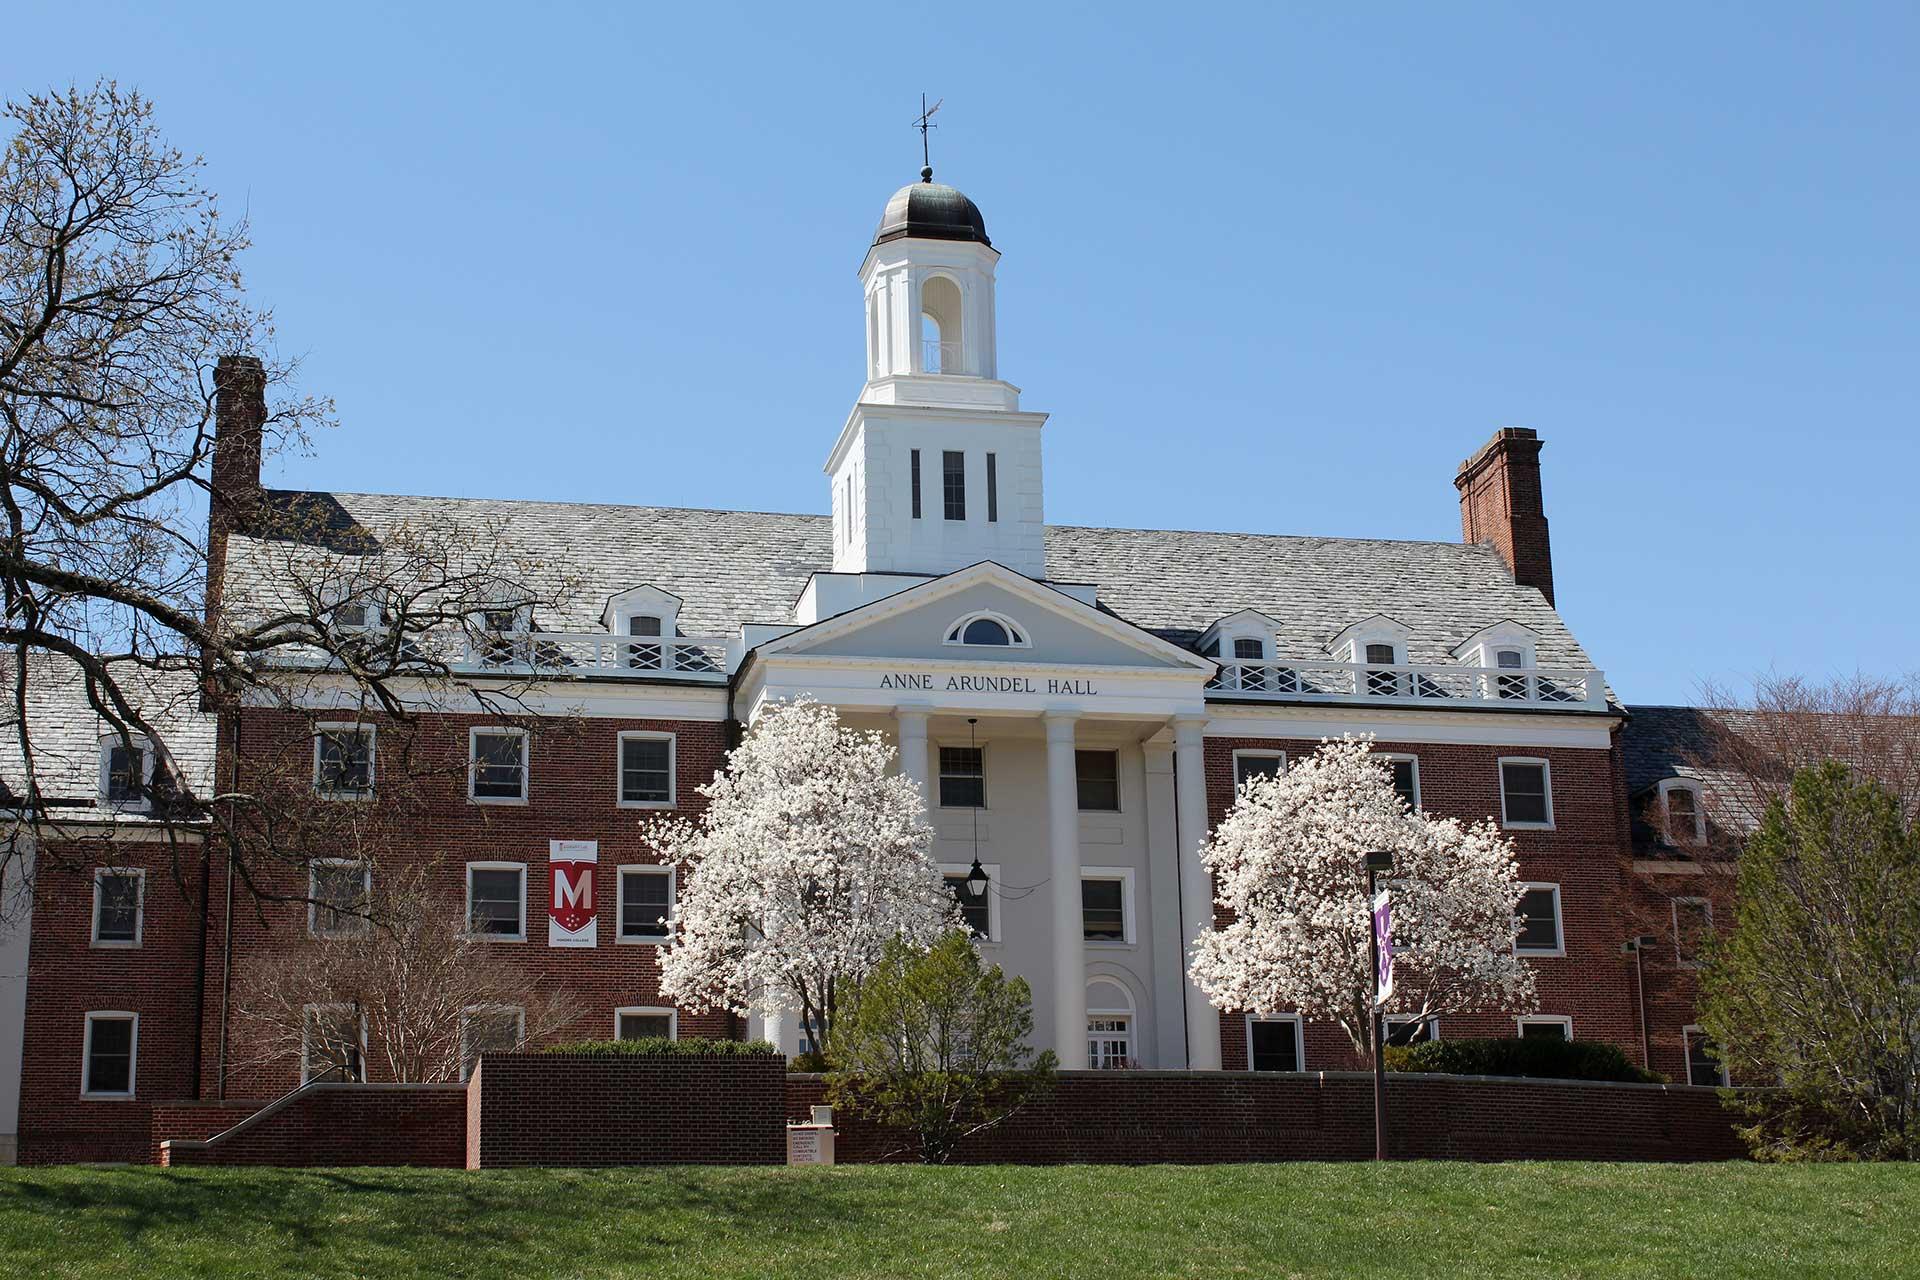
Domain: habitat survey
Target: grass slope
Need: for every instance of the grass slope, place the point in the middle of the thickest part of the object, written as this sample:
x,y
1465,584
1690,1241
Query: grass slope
x,y
1483,1221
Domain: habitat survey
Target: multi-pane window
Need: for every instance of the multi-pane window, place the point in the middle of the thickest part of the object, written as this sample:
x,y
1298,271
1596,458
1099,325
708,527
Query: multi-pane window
x,y
1511,687
1109,1042
1539,918
343,760
116,907
1097,776
338,890
1703,1060
1406,779
953,483
1103,909
1405,1031
643,1024
1685,824
1273,1044
333,1041
112,1039
489,1029
993,489
1257,764
1526,798
1692,926
498,765
1383,683
497,899
643,627
646,903
914,468
123,771
963,778
502,638
1546,1028
646,769
975,910
1249,647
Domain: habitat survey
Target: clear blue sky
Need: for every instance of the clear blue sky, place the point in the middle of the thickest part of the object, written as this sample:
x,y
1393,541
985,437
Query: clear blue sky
x,y
1275,269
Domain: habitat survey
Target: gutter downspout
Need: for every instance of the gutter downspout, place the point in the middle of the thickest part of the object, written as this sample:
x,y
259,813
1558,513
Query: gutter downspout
x,y
226,927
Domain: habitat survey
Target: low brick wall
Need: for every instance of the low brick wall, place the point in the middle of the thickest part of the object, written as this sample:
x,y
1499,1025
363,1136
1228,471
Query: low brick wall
x,y
583,1110
197,1119
1177,1117
423,1125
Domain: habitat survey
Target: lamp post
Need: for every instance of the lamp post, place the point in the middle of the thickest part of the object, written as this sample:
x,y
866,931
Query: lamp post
x,y
1636,947
1379,863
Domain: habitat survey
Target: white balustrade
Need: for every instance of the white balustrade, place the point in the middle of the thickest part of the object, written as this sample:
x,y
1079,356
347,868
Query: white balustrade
x,y
1406,684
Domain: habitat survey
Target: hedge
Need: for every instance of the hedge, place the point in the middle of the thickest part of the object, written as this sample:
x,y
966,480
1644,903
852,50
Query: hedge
x,y
691,1047
1521,1056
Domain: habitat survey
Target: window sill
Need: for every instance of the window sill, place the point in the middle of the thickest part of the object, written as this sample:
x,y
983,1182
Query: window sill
x,y
641,942
1526,826
109,944
1557,953
1105,944
503,800
358,797
105,1097
501,937
644,804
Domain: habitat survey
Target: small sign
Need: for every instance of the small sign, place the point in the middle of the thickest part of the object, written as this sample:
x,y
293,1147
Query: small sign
x,y
572,919
1383,944
809,1144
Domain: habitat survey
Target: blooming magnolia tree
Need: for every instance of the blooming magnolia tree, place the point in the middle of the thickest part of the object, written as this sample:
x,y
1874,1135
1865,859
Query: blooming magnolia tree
x,y
1289,861
810,857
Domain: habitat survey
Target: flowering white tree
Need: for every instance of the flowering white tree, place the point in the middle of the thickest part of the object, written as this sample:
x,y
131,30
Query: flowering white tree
x,y
1289,860
810,857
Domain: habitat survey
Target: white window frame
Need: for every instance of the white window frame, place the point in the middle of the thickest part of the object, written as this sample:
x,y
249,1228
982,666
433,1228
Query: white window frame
x,y
142,803
1670,785
1412,759
637,869
1392,1021
620,768
1546,778
373,757
1299,1037
133,1054
360,927
1559,925
139,875
1119,781
650,1011
1688,1034
1016,634
986,778
993,893
1679,957
1255,753
644,601
470,1013
1125,876
1128,1012
521,867
1526,1020
306,1039
473,763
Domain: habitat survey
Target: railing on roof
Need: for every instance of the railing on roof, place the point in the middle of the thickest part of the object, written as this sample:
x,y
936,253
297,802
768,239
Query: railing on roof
x,y
1401,684
594,653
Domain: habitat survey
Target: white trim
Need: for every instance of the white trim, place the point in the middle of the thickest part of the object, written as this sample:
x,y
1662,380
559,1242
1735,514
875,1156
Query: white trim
x,y
1525,1020
373,755
1255,753
473,763
1378,629
521,867
1483,725
359,927
985,790
1505,634
1299,1037
1119,789
608,699
139,875
1687,1034
1546,782
1679,957
133,1053
470,1013
993,893
649,1011
1393,1020
620,768
1559,924
142,803
645,600
1670,785
1411,759
1016,633
306,1037
672,875
1129,936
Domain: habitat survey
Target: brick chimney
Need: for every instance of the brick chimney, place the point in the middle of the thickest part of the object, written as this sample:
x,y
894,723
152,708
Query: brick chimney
x,y
1500,503
239,423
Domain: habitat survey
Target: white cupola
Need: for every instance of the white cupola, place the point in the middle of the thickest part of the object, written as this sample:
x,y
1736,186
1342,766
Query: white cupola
x,y
937,468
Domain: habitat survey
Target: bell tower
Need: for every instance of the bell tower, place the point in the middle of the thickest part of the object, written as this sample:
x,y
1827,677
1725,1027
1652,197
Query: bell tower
x,y
937,467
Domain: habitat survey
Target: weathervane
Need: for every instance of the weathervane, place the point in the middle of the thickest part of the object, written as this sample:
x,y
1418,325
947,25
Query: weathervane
x,y
924,122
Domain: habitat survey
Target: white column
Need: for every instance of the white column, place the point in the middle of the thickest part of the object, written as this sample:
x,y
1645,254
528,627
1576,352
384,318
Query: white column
x,y
913,751
1063,863
1196,884
1166,932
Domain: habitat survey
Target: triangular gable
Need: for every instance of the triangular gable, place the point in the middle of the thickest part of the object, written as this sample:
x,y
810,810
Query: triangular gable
x,y
1050,625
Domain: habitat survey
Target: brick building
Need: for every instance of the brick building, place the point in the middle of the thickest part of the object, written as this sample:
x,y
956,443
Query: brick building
x,y
1075,703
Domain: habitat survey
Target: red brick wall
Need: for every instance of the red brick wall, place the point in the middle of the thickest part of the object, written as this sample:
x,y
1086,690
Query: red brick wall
x,y
194,1119
1139,1117
1593,982
424,1126
1672,989
617,1109
1501,503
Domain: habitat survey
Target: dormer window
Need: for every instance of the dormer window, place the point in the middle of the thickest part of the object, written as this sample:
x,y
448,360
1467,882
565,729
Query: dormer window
x,y
357,615
645,617
1684,815
1250,647
1513,687
126,773
500,635
1504,646
986,630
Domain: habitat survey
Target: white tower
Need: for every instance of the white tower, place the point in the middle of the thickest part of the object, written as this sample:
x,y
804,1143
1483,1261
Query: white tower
x,y
937,467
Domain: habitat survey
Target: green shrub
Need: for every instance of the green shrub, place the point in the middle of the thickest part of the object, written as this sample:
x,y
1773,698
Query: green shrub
x,y
691,1047
1521,1056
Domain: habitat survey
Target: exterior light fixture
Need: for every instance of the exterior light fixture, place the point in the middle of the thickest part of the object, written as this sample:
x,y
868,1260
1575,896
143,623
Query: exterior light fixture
x,y
977,880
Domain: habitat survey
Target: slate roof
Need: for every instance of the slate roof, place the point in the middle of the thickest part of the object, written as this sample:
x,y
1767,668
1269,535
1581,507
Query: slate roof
x,y
66,732
734,567
1667,742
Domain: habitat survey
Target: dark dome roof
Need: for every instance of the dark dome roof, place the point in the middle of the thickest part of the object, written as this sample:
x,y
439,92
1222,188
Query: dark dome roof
x,y
932,211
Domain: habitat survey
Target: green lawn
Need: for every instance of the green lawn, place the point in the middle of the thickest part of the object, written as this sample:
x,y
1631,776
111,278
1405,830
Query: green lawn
x,y
1483,1221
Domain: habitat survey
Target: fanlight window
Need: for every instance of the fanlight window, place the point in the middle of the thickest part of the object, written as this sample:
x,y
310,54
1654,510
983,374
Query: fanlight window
x,y
987,630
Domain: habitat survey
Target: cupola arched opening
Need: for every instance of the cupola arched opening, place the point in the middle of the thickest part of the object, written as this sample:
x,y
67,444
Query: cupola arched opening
x,y
941,326
987,630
